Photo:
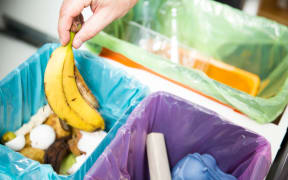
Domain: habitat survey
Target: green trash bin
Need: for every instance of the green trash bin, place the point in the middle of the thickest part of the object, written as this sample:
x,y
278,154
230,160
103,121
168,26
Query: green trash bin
x,y
254,44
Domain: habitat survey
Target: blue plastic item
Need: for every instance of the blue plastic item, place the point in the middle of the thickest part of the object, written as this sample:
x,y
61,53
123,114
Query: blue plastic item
x,y
22,94
199,167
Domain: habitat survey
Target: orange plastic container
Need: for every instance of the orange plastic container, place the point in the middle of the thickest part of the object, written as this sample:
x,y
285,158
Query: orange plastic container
x,y
217,70
227,74
106,53
230,75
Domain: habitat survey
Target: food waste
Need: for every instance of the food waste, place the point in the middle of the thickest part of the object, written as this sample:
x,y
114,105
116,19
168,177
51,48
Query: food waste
x,y
53,142
67,130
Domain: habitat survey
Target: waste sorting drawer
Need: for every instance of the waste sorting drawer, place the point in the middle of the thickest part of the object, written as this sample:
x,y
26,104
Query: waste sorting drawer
x,y
253,44
187,128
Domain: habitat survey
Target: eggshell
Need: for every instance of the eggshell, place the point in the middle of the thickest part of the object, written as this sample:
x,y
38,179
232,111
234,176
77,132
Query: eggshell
x,y
42,136
17,143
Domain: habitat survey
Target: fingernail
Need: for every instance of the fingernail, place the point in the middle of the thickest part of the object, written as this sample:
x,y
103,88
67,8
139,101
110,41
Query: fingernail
x,y
77,43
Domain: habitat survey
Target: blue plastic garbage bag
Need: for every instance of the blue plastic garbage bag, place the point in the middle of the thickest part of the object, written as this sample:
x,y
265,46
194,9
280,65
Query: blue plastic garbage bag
x,y
22,94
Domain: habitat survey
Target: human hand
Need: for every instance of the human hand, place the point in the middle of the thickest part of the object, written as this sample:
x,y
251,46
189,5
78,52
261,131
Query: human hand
x,y
104,12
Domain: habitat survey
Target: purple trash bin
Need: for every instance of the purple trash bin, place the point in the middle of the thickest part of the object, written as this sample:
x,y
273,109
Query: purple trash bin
x,y
188,128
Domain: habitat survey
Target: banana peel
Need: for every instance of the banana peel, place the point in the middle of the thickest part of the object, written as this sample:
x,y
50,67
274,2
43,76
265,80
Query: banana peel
x,y
55,123
62,92
33,153
84,90
27,140
55,154
54,89
75,99
73,142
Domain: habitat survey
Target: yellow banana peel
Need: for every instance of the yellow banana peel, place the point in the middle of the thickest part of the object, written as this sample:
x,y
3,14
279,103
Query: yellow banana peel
x,y
74,97
63,94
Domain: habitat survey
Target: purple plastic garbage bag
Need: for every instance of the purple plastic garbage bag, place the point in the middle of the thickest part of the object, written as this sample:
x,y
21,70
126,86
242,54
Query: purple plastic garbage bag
x,y
188,129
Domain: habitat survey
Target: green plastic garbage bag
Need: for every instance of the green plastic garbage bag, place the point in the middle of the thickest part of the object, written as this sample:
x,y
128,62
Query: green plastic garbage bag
x,y
254,44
